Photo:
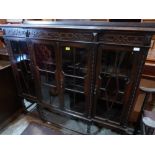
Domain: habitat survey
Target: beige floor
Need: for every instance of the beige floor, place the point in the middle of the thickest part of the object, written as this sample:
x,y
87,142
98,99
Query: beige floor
x,y
17,126
67,126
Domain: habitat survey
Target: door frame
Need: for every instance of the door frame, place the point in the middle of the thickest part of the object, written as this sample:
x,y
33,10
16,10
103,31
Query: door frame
x,y
128,96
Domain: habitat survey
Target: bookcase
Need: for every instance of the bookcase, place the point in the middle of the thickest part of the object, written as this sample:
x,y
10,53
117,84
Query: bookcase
x,y
85,70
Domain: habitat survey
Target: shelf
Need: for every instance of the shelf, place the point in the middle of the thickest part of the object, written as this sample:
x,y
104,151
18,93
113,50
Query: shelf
x,y
77,67
42,70
76,84
74,70
73,90
3,51
19,70
120,92
48,63
74,76
114,74
48,85
5,54
110,100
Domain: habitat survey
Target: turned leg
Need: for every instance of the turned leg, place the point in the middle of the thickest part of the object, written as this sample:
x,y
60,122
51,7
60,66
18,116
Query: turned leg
x,y
23,106
41,112
89,124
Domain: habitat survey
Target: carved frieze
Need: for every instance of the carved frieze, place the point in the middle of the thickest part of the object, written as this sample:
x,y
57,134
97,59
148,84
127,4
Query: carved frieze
x,y
57,35
114,38
45,34
122,39
19,32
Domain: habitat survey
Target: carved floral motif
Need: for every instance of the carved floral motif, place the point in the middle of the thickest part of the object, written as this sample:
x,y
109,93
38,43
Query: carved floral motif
x,y
61,35
15,32
122,39
74,36
115,38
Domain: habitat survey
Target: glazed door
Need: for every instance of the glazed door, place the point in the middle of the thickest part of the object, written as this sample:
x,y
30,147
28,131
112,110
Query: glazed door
x,y
46,71
75,77
116,74
20,59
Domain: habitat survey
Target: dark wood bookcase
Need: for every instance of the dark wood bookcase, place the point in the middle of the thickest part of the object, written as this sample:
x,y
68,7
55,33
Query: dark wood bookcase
x,y
86,70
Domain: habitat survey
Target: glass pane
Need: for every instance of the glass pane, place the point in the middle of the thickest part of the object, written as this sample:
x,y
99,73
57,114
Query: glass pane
x,y
21,57
47,78
75,67
20,51
74,83
46,62
117,62
74,101
74,61
108,109
46,65
45,57
115,73
50,95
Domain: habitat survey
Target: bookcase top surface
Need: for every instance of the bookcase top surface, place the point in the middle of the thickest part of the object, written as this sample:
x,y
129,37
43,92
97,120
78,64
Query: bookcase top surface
x,y
92,25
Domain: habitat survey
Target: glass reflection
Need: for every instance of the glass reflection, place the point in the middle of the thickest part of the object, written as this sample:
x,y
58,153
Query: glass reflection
x,y
75,67
115,73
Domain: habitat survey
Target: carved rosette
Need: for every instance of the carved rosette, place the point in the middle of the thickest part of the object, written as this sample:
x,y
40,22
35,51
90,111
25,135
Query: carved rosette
x,y
122,39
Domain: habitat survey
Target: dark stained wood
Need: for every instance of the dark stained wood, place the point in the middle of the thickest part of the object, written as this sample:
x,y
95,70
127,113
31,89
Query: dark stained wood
x,y
92,25
9,101
79,69
148,75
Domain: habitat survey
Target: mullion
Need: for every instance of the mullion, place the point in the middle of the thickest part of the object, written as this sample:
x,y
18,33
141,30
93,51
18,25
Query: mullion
x,y
74,59
20,54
